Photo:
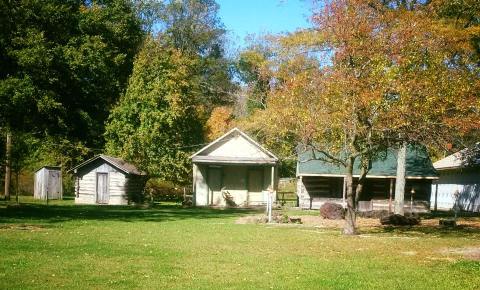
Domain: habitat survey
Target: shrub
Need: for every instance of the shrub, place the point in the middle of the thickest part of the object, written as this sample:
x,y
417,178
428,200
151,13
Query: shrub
x,y
332,211
399,220
159,190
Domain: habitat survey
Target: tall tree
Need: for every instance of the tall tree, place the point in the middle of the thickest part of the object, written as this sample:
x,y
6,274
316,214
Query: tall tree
x,y
364,76
253,69
156,122
194,28
63,64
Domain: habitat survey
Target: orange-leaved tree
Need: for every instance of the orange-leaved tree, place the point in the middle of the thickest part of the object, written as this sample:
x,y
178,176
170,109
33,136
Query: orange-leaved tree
x,y
367,77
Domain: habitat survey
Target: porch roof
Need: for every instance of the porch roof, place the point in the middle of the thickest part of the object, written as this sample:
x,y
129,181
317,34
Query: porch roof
x,y
419,165
232,160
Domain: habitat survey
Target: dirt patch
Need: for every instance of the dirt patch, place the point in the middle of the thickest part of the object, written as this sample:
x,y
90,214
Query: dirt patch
x,y
460,223
22,227
312,221
471,253
251,219
317,221
362,222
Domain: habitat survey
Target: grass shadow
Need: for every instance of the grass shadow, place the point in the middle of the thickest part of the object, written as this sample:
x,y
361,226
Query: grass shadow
x,y
28,212
461,231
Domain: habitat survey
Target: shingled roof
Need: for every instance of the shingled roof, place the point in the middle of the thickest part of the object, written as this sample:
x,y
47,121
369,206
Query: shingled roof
x,y
468,157
419,165
118,163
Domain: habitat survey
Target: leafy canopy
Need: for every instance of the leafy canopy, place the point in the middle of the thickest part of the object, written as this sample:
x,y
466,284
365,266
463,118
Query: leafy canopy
x,y
156,121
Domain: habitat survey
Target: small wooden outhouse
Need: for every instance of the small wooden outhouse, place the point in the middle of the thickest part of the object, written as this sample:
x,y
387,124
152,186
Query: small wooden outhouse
x,y
234,170
105,179
48,183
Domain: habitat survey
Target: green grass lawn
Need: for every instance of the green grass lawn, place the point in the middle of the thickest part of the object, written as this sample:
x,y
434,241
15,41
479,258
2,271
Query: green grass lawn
x,y
69,246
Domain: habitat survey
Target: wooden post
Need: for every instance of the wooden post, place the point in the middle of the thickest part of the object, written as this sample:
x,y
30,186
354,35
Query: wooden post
x,y
270,194
412,192
400,181
194,185
272,181
436,196
390,196
8,161
344,189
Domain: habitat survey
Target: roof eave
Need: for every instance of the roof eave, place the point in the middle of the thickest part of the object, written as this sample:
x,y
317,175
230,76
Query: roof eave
x,y
368,176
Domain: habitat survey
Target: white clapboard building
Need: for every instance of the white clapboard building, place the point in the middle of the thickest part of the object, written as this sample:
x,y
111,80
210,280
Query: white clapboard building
x,y
105,179
233,170
459,182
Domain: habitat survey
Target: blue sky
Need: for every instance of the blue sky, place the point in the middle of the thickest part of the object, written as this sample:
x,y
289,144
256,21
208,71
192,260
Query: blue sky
x,y
244,17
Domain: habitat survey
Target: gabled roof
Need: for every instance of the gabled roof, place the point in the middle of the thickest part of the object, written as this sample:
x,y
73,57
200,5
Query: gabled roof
x,y
49,167
468,157
419,165
118,163
202,155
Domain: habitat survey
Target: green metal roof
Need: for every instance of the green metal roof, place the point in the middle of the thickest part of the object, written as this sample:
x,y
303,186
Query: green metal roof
x,y
418,164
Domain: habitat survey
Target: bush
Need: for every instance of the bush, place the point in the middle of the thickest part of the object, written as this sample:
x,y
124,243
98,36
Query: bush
x,y
332,211
159,190
399,220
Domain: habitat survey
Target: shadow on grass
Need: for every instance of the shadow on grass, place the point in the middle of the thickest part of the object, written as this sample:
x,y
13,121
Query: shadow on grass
x,y
430,227
459,231
28,212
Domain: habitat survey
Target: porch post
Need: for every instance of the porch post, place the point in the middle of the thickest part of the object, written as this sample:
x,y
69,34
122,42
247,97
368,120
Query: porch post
x,y
436,196
390,196
344,192
270,194
194,194
273,178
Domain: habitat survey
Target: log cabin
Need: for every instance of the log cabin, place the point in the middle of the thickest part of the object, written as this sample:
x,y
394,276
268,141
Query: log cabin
x,y
319,182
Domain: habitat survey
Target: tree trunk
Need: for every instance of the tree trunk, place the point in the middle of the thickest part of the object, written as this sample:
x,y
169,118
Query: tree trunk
x,y
361,180
400,180
8,160
350,217
17,186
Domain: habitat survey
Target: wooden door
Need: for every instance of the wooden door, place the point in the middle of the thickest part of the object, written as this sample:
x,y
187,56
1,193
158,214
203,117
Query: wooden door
x,y
53,186
215,186
255,186
255,180
102,188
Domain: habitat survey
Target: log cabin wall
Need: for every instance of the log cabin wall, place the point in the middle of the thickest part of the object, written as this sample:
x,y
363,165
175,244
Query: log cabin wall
x,y
314,191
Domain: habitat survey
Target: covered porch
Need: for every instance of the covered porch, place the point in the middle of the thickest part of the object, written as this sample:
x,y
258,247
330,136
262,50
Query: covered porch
x,y
234,170
378,193
233,184
320,181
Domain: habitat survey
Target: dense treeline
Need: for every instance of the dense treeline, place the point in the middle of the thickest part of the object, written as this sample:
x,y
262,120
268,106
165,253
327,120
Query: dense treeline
x,y
65,66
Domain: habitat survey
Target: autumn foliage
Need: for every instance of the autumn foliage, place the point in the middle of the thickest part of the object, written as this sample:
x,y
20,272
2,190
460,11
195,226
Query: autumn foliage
x,y
370,76
221,120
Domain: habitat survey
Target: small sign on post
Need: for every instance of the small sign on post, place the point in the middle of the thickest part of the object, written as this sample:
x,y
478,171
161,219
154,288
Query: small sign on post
x,y
269,204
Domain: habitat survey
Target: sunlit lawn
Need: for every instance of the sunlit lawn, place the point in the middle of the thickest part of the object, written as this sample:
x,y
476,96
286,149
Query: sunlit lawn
x,y
69,246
